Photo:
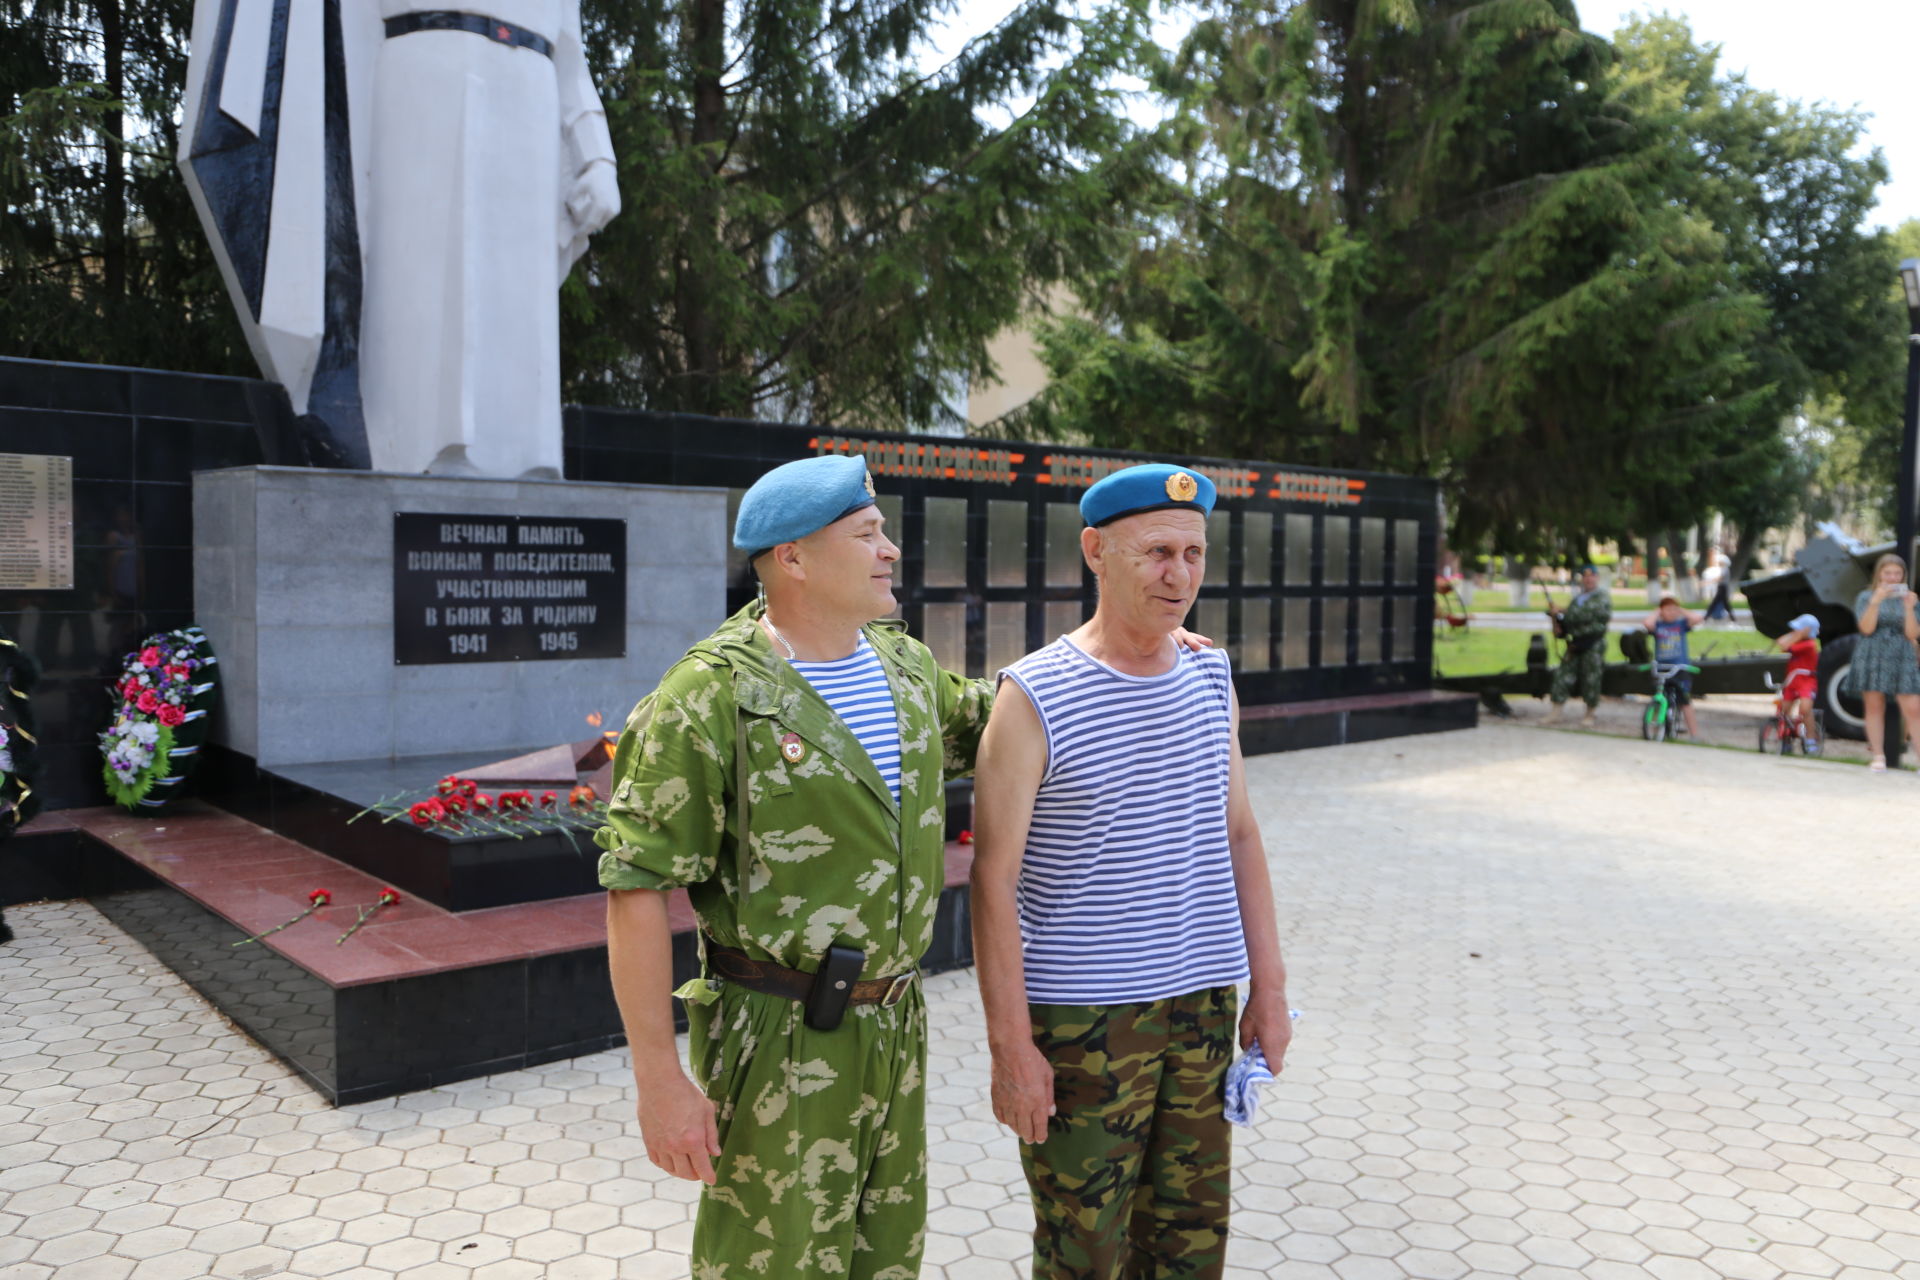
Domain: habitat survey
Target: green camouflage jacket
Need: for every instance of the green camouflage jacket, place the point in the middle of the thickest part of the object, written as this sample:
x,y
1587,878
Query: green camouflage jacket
x,y
832,857
1587,619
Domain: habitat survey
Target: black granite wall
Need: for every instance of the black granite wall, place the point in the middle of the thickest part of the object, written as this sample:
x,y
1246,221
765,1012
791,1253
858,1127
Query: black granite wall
x,y
136,436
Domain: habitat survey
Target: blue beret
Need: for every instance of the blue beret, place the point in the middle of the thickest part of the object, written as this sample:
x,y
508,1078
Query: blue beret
x,y
1153,486
796,499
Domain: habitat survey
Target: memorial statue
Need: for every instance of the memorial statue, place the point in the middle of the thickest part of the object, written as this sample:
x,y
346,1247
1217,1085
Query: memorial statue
x,y
394,196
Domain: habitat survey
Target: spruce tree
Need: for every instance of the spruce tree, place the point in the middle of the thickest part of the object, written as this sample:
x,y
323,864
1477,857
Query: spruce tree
x,y
1416,235
816,229
101,256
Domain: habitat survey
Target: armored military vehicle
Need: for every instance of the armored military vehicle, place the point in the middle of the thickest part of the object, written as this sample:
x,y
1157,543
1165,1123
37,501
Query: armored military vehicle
x,y
1829,572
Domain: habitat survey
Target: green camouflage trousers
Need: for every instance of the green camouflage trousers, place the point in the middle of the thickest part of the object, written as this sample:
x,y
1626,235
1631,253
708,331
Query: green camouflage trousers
x,y
823,1140
1580,673
1132,1181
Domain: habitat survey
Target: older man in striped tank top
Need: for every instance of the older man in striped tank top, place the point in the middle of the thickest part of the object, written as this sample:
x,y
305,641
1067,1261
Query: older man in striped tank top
x,y
1120,892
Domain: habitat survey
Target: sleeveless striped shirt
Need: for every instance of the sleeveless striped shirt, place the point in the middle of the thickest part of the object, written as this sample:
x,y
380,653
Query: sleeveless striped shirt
x,y
857,690
1126,892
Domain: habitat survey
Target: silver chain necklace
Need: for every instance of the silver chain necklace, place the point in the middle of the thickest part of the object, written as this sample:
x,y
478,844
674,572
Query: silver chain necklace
x,y
774,631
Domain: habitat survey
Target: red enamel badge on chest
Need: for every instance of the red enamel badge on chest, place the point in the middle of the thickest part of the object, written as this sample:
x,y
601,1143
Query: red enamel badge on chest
x,y
792,748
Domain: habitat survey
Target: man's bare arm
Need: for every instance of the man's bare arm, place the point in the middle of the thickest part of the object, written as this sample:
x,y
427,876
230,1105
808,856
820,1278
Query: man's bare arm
x,y
1265,1018
1013,756
676,1118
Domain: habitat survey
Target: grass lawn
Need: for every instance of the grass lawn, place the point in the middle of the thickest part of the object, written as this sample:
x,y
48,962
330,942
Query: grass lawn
x,y
1496,600
1478,652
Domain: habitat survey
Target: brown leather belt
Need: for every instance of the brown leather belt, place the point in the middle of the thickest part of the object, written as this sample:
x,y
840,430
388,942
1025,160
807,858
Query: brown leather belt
x,y
777,980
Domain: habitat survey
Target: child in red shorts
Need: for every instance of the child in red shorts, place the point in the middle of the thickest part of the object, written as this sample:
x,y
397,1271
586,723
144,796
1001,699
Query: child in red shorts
x,y
1802,647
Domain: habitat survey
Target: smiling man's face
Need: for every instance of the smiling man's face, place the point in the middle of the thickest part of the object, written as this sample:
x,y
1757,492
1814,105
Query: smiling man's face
x,y
849,566
1150,567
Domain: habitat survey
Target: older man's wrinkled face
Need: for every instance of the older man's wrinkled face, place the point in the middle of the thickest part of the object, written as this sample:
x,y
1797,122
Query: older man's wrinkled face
x,y
1150,566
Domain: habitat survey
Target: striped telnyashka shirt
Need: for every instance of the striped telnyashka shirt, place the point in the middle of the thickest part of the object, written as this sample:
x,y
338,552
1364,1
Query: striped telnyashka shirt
x,y
857,690
1127,892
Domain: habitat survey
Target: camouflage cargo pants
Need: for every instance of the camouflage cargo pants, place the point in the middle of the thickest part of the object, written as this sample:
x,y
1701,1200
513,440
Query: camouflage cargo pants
x,y
1579,673
823,1140
1132,1181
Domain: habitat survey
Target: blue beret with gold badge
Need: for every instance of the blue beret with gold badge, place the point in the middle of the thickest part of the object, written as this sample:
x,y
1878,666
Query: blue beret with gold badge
x,y
799,498
1152,486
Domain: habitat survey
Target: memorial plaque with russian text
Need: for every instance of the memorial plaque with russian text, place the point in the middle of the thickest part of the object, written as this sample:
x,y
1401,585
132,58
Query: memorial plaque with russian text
x,y
36,522
470,588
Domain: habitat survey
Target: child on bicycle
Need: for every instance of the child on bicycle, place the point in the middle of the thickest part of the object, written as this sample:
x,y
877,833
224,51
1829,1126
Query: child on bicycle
x,y
1670,624
1801,644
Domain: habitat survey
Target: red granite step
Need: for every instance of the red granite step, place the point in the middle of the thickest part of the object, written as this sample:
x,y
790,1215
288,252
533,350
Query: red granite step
x,y
256,879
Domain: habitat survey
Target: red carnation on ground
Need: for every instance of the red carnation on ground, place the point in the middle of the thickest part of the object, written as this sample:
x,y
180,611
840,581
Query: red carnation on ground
x,y
427,812
171,715
386,899
965,837
317,899
581,796
548,799
455,803
481,801
147,702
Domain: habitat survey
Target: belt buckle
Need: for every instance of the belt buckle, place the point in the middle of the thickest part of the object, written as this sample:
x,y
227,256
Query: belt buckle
x,y
897,989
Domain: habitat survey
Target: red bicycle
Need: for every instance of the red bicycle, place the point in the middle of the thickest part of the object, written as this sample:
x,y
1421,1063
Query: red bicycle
x,y
1781,732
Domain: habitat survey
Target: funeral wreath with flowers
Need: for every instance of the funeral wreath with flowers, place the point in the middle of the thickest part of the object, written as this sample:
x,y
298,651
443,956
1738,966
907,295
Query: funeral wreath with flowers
x,y
164,695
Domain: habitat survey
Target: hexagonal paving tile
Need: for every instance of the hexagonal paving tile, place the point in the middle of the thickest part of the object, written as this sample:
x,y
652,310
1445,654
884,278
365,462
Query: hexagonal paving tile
x,y
1658,1065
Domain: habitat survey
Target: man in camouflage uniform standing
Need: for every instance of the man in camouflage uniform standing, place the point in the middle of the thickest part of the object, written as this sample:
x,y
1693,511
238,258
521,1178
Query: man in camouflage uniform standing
x,y
1583,626
740,780
1120,891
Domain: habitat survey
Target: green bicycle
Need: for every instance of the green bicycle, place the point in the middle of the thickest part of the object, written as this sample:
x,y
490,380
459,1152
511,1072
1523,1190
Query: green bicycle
x,y
1662,720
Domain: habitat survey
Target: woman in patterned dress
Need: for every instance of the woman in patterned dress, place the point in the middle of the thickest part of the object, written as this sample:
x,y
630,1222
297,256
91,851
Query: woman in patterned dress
x,y
1884,659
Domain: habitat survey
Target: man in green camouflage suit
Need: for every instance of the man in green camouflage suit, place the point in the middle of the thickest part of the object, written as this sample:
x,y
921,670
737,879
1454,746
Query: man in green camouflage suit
x,y
1583,626
737,780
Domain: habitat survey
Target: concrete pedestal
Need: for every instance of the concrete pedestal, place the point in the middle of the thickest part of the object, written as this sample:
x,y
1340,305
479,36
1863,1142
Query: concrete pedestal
x,y
293,583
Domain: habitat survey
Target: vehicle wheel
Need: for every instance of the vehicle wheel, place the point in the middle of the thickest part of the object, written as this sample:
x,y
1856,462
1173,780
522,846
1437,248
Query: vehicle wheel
x,y
1769,731
1842,713
1788,738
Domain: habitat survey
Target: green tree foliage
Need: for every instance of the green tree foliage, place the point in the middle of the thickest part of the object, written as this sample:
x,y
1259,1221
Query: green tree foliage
x,y
101,257
813,228
1417,235
1788,190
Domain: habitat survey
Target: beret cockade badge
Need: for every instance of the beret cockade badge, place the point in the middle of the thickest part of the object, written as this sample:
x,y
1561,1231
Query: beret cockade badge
x,y
1181,487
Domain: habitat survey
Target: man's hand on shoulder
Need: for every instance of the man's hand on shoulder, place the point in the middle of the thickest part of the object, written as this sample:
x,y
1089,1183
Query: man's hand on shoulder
x,y
677,1124
1023,1089
1191,639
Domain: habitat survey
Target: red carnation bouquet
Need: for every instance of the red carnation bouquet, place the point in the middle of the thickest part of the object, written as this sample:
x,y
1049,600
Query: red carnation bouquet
x,y
458,807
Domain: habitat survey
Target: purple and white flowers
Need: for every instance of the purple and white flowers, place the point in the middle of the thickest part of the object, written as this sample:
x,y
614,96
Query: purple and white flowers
x,y
129,747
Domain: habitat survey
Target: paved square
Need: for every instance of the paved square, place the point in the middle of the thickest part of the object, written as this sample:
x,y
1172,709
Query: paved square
x,y
1574,1006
